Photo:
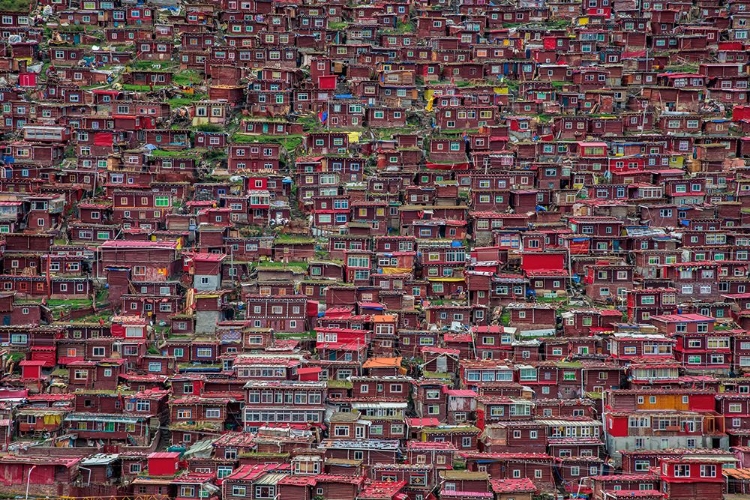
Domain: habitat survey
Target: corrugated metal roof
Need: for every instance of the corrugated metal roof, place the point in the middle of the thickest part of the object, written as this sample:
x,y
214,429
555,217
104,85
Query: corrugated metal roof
x,y
100,459
271,478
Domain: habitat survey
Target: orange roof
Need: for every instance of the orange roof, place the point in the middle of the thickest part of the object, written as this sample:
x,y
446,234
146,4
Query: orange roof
x,y
382,363
383,318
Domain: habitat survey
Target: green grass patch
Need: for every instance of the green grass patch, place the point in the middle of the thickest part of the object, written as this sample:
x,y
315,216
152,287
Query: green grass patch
x,y
68,303
451,134
557,24
162,153
104,316
15,5
569,364
162,330
152,65
551,300
292,239
281,265
683,68
309,122
339,384
264,455
505,318
140,88
17,356
187,366
187,77
388,133
289,142
209,127
185,100
404,28
295,336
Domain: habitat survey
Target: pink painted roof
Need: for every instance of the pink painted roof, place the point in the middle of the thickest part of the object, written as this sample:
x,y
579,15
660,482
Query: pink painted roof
x,y
682,317
209,257
440,350
635,494
165,454
465,494
457,337
626,477
422,422
461,393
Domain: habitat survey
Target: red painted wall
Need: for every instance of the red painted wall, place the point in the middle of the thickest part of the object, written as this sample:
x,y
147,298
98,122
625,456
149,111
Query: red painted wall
x,y
163,464
534,262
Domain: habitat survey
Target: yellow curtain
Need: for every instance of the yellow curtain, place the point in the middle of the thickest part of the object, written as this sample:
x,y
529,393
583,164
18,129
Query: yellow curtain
x,y
429,97
52,419
354,137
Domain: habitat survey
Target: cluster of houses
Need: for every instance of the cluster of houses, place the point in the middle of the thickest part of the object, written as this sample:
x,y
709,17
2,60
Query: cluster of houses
x,y
383,250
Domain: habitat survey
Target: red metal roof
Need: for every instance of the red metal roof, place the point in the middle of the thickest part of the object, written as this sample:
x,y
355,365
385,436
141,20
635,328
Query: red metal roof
x,y
30,362
67,360
381,490
308,371
338,478
193,478
299,480
51,397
